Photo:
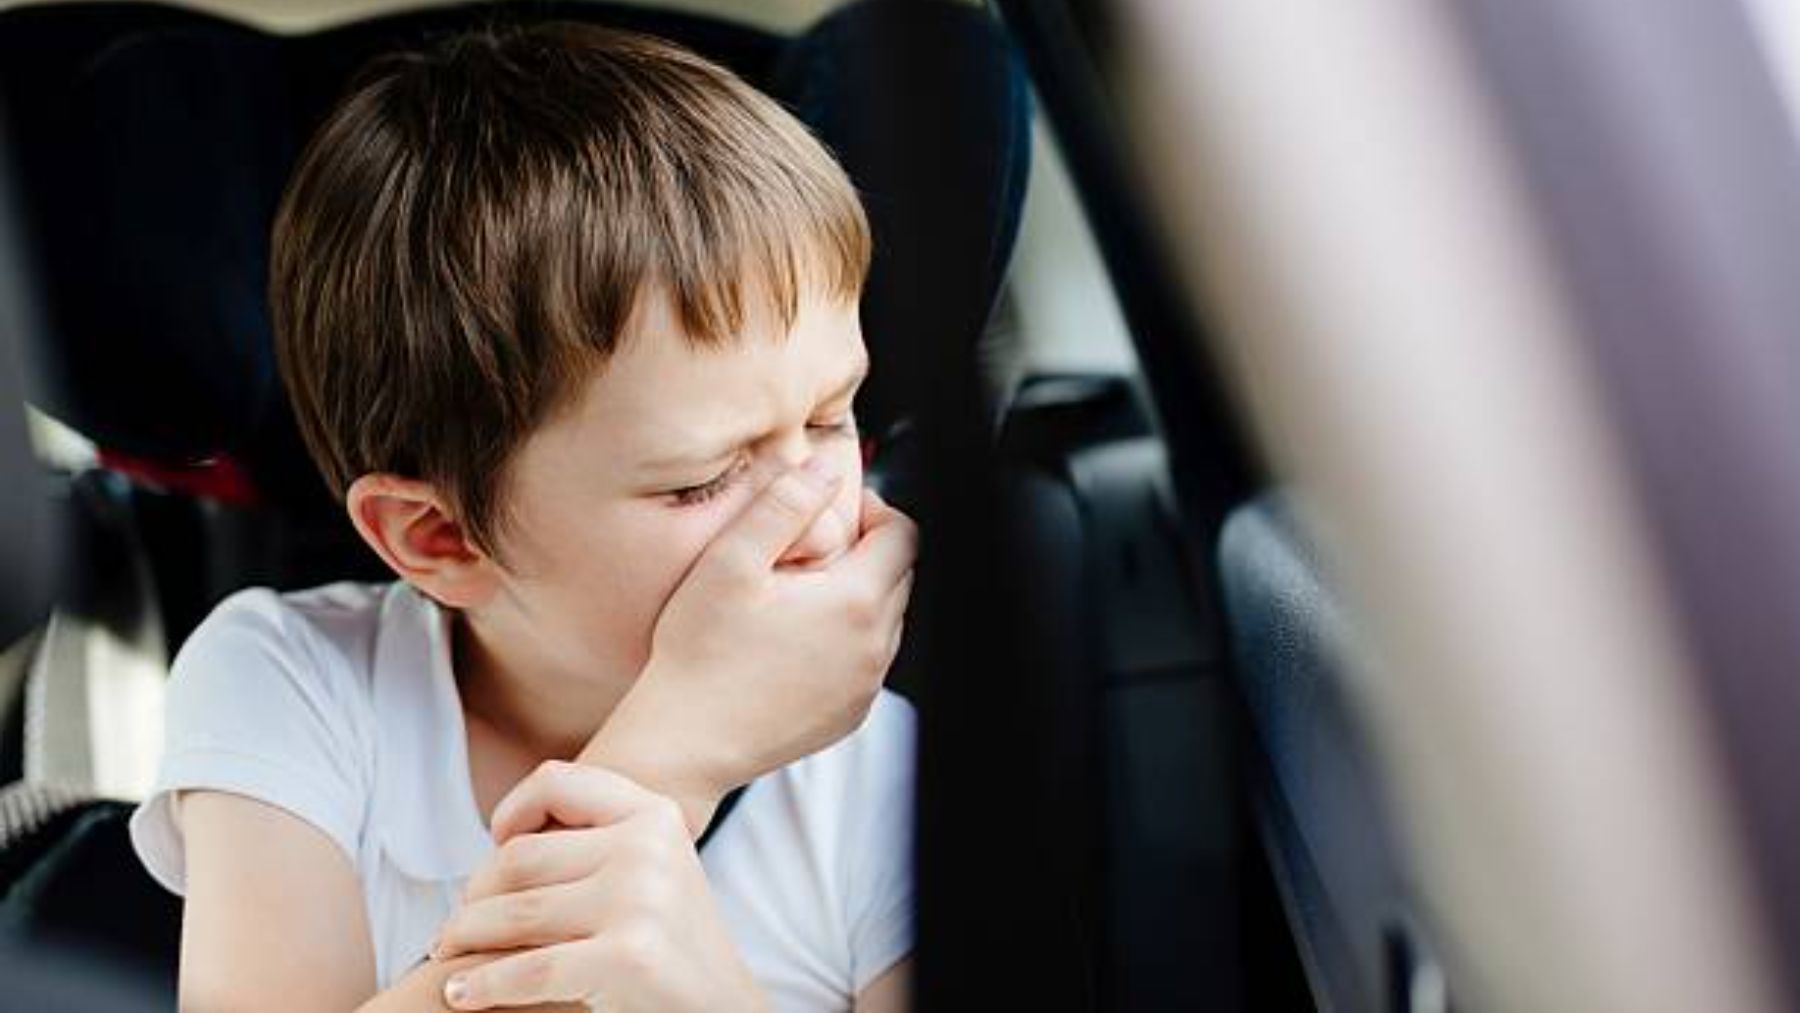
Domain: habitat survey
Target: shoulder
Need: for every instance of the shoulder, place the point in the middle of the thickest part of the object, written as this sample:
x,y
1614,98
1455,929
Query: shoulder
x,y
266,668
316,644
336,622
284,682
269,699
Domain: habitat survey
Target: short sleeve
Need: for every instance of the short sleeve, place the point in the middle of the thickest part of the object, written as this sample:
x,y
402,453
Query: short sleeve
x,y
878,839
257,706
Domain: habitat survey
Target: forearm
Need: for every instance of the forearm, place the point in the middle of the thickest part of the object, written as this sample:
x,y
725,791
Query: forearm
x,y
422,989
638,742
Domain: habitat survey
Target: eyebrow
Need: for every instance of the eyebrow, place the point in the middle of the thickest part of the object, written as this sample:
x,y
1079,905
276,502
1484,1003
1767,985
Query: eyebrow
x,y
726,446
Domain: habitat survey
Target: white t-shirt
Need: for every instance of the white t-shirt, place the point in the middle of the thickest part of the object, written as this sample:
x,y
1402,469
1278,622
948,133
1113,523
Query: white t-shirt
x,y
339,705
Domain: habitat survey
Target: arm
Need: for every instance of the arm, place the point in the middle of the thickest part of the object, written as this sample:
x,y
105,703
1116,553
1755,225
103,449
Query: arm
x,y
636,741
891,992
247,861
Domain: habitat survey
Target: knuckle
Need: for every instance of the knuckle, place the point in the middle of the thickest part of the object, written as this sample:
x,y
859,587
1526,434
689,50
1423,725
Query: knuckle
x,y
533,973
525,912
450,934
518,860
666,815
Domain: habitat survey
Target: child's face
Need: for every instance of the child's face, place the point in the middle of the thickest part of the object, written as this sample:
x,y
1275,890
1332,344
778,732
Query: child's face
x,y
612,501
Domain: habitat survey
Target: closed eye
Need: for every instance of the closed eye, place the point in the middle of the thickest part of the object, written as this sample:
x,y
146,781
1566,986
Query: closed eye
x,y
694,495
845,426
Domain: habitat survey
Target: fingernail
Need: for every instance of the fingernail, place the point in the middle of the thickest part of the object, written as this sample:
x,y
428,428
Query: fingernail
x,y
456,991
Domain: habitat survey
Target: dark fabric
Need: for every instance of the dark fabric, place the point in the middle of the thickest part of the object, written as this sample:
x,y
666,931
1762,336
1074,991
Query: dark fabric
x,y
726,804
41,976
32,816
73,883
976,174
27,532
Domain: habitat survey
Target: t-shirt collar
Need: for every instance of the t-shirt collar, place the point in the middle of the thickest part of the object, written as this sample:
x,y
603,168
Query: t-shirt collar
x,y
424,805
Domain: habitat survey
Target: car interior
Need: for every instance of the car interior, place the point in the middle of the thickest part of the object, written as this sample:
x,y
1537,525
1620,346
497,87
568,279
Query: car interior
x,y
1354,447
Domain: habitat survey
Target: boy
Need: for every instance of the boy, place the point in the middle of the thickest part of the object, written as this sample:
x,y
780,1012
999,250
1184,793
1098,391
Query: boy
x,y
569,319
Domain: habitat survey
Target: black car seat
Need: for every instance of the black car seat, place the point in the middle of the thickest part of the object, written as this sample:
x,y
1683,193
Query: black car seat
x,y
36,977
150,144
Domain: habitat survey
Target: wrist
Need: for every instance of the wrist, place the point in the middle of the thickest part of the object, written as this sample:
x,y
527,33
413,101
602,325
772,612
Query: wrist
x,y
642,739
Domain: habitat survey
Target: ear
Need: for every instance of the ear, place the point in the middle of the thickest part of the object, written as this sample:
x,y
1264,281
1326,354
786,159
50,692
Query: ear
x,y
412,529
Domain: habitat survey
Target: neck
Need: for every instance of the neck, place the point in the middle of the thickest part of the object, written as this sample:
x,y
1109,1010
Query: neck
x,y
524,697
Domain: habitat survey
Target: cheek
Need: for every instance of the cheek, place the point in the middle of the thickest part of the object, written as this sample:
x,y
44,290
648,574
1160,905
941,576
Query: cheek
x,y
666,546
630,570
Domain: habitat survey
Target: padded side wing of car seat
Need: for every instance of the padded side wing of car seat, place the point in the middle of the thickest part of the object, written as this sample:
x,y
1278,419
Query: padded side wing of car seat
x,y
1318,797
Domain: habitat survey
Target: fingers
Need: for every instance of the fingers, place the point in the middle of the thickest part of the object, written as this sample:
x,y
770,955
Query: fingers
x,y
536,917
562,972
894,617
572,795
777,518
873,508
893,610
827,538
539,859
889,543
557,973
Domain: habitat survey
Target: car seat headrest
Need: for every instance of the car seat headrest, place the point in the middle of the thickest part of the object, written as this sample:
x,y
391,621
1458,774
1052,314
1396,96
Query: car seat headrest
x,y
148,234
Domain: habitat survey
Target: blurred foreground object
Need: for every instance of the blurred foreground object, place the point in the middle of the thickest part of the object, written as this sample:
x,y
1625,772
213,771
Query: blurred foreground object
x,y
1506,289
